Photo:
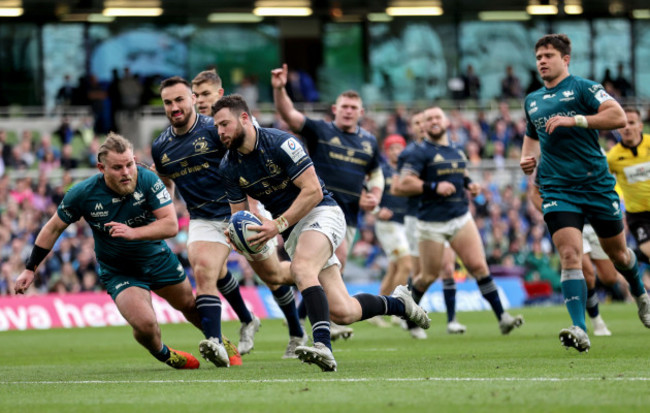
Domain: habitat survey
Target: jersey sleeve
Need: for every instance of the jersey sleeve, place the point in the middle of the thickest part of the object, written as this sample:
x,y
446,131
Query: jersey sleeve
x,y
412,163
69,209
234,192
375,162
593,94
293,157
531,132
157,194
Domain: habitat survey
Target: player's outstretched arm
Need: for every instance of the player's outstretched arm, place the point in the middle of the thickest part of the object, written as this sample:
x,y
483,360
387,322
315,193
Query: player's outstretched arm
x,y
283,102
42,246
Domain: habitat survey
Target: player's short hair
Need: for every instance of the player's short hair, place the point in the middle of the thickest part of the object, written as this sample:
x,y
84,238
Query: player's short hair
x,y
113,143
172,81
632,108
560,42
351,94
235,103
207,76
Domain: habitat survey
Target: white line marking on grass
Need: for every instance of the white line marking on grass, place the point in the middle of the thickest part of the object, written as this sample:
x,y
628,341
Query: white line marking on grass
x,y
342,380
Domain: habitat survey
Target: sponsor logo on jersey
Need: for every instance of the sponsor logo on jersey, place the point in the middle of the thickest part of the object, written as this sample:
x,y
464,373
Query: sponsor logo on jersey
x,y
157,186
201,145
117,200
292,148
568,95
184,164
533,104
533,107
163,196
438,158
602,96
617,208
164,159
243,181
273,168
138,196
549,96
98,206
99,211
367,147
637,173
335,141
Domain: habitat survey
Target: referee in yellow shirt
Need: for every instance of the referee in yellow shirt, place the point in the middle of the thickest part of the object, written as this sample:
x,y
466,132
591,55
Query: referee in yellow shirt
x,y
629,161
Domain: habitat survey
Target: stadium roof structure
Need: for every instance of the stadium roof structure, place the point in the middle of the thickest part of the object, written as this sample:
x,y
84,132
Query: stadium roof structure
x,y
195,11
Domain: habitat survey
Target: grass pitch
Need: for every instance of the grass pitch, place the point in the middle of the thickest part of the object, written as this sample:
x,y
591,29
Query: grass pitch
x,y
104,369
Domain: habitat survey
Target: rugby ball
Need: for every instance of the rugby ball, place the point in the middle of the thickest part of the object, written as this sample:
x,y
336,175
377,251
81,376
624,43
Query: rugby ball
x,y
239,232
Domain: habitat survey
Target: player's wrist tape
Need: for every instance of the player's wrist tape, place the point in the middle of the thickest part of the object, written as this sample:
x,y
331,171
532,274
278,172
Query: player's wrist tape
x,y
282,223
36,257
467,181
375,210
581,121
429,189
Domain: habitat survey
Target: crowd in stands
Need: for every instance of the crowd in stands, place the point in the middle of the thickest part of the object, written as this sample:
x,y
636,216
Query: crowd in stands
x,y
515,236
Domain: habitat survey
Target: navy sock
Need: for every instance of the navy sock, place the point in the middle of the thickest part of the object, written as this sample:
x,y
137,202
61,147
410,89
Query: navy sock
x,y
163,354
417,297
209,307
302,310
318,310
592,303
449,291
373,305
574,290
287,303
230,290
491,294
633,276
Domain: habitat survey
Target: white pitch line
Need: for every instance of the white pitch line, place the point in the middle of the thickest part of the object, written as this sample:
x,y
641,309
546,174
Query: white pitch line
x,y
342,380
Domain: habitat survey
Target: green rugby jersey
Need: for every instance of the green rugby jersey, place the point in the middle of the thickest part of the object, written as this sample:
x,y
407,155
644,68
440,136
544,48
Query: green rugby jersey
x,y
570,156
98,205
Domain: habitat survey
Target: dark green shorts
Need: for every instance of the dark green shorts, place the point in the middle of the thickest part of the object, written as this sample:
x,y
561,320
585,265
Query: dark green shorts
x,y
162,270
597,204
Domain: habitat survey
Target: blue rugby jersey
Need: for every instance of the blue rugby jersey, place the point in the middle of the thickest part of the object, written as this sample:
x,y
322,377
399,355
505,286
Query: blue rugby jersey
x,y
342,160
192,162
92,200
413,202
435,163
570,156
397,204
267,173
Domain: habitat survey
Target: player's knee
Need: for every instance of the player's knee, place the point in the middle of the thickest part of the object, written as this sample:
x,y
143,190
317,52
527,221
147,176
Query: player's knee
x,y
145,327
570,256
342,314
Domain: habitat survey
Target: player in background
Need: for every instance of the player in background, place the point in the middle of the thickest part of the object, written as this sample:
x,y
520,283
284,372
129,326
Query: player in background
x,y
206,86
448,257
345,157
438,172
561,141
629,161
389,226
271,166
130,213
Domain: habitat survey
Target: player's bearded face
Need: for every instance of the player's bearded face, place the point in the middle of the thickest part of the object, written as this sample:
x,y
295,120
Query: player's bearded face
x,y
238,138
120,172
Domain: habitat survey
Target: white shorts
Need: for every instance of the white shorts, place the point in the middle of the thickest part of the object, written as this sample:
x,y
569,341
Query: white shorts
x,y
328,220
213,231
207,230
591,244
442,231
350,233
412,236
392,237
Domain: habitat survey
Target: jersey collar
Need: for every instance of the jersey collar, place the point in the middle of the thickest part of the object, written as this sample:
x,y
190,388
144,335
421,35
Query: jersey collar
x,y
196,122
337,128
